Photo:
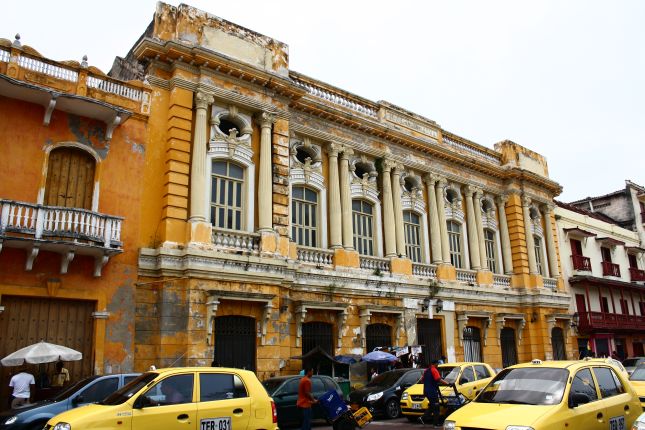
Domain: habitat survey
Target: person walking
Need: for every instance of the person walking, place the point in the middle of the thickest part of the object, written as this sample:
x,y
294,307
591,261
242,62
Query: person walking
x,y
306,399
23,384
61,377
431,380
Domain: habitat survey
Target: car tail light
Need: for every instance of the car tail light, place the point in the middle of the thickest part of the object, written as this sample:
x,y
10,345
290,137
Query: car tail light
x,y
274,412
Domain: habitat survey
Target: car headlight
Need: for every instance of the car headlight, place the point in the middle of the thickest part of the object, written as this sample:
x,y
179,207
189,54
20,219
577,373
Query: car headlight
x,y
404,396
11,420
375,396
448,425
519,428
62,426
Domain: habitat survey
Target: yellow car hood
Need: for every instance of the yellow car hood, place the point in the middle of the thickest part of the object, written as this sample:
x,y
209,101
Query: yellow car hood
x,y
417,389
490,415
88,412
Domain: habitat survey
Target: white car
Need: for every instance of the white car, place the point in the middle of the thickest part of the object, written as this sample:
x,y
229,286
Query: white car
x,y
639,424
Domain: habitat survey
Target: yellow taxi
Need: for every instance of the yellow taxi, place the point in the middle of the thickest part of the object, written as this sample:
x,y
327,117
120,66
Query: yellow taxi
x,y
468,377
197,398
637,379
552,395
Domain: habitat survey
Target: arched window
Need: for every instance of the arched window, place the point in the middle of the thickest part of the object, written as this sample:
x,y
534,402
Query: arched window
x,y
304,216
378,335
412,228
454,239
227,199
472,344
489,241
70,178
363,223
537,243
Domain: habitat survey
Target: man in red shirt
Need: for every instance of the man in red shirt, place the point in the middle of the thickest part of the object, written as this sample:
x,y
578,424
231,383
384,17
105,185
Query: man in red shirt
x,y
306,399
431,380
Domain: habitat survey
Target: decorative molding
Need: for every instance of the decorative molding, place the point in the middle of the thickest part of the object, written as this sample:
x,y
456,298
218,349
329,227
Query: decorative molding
x,y
462,322
301,311
501,319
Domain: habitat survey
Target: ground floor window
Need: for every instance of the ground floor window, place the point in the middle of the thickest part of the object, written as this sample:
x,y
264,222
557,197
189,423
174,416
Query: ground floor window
x,y
509,348
235,341
472,344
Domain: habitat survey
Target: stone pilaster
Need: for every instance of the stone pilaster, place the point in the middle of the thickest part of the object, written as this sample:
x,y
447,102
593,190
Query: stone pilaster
x,y
435,229
346,200
471,225
550,242
398,210
265,182
335,216
530,246
441,211
198,159
480,229
388,211
507,256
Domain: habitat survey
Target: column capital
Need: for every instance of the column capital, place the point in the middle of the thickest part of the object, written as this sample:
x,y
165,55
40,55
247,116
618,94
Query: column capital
x,y
442,182
334,149
265,119
501,199
398,169
526,201
478,193
202,100
347,152
469,190
430,179
388,165
548,208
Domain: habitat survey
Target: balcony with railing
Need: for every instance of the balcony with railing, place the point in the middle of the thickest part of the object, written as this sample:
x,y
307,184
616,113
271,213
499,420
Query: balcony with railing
x,y
67,231
467,276
424,270
637,275
606,320
315,256
581,263
376,264
501,281
610,269
236,242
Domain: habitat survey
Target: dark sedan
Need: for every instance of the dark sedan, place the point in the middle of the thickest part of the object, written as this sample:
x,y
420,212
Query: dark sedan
x,y
382,394
89,390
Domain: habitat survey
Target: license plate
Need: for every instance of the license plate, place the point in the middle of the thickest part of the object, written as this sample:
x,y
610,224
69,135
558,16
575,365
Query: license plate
x,y
617,423
223,423
416,405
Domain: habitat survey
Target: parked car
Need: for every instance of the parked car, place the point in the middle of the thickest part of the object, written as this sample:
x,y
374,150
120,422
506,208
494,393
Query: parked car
x,y
639,424
382,395
468,377
632,363
284,391
587,394
637,379
89,390
207,397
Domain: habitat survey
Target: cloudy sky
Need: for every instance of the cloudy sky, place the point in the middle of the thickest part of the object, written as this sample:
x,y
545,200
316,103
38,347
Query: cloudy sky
x,y
563,78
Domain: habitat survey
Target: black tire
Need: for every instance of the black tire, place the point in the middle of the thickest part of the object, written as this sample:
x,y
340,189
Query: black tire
x,y
392,408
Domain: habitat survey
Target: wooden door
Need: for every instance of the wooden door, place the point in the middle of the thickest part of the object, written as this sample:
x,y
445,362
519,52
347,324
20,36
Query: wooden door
x,y
27,320
606,254
632,261
581,305
70,178
576,247
430,339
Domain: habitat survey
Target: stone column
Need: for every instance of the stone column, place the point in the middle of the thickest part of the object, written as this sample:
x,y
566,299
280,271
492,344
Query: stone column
x,y
198,206
441,211
550,242
480,229
388,211
435,229
265,179
507,255
398,210
471,225
346,199
528,233
335,216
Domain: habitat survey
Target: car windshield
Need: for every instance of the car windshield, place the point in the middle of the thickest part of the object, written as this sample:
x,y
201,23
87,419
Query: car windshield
x,y
73,388
125,392
638,374
449,373
386,379
272,384
526,386
631,362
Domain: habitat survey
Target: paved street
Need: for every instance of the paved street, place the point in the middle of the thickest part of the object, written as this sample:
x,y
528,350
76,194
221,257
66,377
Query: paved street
x,y
400,423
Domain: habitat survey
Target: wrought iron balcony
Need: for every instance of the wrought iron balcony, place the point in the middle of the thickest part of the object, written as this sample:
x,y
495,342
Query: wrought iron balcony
x,y
637,275
581,262
605,320
610,269
67,231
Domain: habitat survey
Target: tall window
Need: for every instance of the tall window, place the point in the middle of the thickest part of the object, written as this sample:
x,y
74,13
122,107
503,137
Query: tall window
x,y
304,219
537,243
412,227
70,178
489,241
454,238
227,180
363,223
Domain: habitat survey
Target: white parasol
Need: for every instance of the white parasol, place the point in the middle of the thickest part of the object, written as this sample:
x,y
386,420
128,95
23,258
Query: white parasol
x,y
41,352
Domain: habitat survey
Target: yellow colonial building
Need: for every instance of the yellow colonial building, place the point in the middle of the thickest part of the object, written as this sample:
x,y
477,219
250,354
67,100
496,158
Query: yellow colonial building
x,y
282,213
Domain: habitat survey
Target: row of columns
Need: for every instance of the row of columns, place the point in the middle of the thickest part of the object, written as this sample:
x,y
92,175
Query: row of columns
x,y
547,211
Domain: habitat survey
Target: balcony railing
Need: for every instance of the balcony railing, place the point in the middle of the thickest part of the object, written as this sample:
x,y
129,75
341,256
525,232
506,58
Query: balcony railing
x,y
550,283
376,264
610,269
60,223
236,241
317,256
425,270
606,320
503,281
581,262
468,276
637,275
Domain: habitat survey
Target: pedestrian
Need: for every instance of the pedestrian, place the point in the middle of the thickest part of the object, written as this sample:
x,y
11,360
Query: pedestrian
x,y
61,377
431,380
23,384
305,398
373,373
442,360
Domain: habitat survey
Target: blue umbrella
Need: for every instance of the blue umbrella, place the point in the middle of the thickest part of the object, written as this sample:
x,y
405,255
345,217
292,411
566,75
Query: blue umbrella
x,y
376,356
348,358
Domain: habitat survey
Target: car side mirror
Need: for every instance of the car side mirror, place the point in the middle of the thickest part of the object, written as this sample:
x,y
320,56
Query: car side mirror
x,y
78,400
577,399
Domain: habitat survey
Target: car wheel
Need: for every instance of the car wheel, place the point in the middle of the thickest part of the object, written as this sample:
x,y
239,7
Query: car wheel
x,y
392,408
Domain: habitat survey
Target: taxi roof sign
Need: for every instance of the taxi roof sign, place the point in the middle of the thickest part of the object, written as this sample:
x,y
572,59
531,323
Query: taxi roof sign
x,y
536,361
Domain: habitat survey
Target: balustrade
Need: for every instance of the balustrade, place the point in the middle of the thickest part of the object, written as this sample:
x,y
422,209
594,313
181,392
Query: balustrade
x,y
375,263
468,276
550,283
503,281
610,269
4,56
113,87
315,256
424,270
336,98
48,68
606,320
636,275
581,262
236,241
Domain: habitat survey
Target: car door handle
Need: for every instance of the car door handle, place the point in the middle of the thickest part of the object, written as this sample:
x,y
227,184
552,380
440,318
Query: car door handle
x,y
182,417
238,411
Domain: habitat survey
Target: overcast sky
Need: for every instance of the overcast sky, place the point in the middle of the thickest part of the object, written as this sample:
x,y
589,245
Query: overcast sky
x,y
563,78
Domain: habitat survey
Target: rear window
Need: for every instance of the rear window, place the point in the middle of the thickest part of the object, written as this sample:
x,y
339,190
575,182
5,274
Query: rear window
x,y
638,375
607,382
220,386
100,390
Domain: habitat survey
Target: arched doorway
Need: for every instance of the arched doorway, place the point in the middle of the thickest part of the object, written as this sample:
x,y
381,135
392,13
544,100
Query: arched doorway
x,y
557,343
315,334
472,344
235,341
509,349
378,335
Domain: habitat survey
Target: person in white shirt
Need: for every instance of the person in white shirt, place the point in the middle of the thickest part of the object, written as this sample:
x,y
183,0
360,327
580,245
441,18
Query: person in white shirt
x,y
22,384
